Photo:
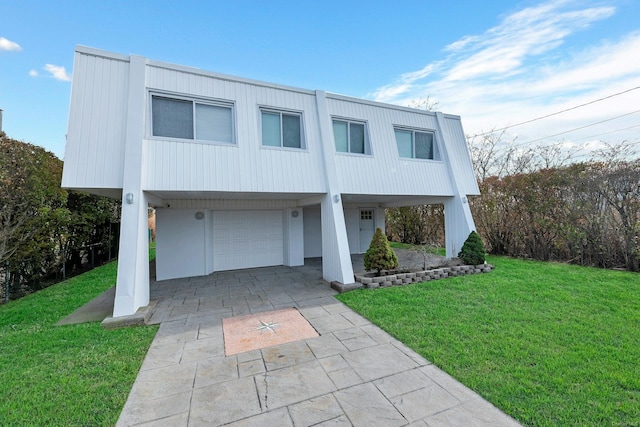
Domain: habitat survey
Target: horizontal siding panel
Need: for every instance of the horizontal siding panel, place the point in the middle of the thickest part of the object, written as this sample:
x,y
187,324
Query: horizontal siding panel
x,y
97,123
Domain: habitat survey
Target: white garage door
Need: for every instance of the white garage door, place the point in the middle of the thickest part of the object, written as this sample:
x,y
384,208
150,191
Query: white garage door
x,y
246,239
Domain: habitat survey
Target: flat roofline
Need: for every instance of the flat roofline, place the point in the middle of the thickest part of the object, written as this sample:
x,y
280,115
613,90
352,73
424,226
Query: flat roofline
x,y
198,71
191,70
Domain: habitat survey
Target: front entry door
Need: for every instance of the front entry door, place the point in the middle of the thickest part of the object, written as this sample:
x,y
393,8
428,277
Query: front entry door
x,y
366,229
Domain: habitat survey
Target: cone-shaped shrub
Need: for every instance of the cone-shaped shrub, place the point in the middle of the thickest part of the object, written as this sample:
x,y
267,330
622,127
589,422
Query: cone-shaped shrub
x,y
380,256
472,252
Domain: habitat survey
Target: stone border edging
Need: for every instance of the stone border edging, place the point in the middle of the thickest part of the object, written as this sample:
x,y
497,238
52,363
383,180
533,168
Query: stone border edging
x,y
399,279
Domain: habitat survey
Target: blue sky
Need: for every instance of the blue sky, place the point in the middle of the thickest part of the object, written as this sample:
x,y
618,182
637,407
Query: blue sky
x,y
495,63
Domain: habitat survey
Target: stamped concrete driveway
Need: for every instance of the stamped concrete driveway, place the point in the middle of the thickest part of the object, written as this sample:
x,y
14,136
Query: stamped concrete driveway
x,y
352,374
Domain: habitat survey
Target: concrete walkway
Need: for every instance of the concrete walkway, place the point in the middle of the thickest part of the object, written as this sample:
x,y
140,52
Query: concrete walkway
x,y
352,374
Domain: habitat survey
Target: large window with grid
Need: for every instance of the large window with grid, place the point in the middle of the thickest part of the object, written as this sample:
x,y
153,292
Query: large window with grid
x,y
282,129
416,144
190,119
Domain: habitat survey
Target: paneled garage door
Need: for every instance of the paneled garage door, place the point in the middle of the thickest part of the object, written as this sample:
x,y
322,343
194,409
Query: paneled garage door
x,y
246,239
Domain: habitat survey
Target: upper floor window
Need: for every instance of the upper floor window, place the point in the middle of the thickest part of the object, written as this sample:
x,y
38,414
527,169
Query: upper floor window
x,y
282,129
414,144
350,137
188,119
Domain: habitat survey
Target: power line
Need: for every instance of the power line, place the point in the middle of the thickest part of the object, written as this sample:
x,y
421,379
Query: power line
x,y
583,147
607,133
559,112
575,129
590,154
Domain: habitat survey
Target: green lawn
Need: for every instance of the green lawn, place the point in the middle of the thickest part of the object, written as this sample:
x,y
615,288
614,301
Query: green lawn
x,y
419,248
550,344
76,375
398,245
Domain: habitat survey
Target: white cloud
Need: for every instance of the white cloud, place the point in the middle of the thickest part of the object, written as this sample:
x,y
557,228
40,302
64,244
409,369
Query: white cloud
x,y
403,84
9,45
33,73
595,66
58,72
462,43
517,71
502,50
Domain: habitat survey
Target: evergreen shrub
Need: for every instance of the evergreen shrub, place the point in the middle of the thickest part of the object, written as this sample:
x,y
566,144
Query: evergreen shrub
x,y
472,252
380,256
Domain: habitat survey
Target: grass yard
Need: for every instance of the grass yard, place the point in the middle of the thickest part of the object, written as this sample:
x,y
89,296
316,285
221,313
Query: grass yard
x,y
419,248
550,344
75,375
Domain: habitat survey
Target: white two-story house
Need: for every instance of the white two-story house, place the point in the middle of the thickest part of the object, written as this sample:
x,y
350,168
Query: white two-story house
x,y
247,174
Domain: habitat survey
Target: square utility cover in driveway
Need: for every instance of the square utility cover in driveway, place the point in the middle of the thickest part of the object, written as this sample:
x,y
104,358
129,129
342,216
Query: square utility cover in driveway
x,y
257,331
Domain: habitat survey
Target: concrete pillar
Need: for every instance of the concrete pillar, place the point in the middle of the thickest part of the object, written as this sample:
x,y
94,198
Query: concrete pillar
x,y
132,285
294,237
336,260
458,223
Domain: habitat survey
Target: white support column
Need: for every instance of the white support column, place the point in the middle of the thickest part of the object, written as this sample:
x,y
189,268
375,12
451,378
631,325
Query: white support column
x,y
336,258
294,237
458,221
132,285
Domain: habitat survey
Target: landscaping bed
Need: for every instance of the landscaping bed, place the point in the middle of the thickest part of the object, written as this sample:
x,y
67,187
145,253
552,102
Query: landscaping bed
x,y
398,279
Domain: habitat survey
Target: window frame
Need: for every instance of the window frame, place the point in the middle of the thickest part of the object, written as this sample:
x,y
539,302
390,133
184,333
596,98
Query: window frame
x,y
366,142
194,102
413,131
281,112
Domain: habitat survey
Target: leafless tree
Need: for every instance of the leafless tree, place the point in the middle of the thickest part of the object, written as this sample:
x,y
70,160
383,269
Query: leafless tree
x,y
554,155
619,185
426,104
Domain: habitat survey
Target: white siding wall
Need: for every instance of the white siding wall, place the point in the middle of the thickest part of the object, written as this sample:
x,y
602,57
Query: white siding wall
x,y
352,221
313,229
385,172
380,220
230,204
97,122
208,240
181,248
312,233
246,166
